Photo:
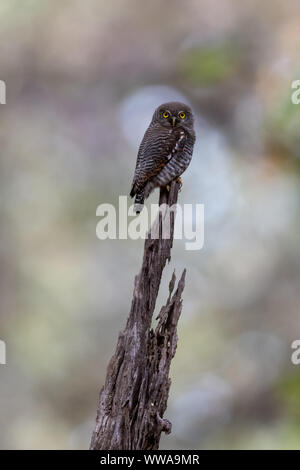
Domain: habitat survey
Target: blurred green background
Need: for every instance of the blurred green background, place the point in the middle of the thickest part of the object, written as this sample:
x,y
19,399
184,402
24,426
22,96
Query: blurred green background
x,y
83,78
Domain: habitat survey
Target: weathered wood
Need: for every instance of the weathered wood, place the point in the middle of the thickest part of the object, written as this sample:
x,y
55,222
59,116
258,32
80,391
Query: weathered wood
x,y
134,398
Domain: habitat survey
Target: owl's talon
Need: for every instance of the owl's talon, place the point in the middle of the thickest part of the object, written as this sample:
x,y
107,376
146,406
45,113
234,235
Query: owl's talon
x,y
179,181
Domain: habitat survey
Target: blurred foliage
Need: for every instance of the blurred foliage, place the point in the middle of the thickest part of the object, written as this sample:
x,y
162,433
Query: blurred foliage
x,y
284,122
210,64
289,395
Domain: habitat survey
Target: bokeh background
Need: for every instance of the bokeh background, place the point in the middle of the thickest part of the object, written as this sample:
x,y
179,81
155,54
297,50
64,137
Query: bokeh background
x,y
83,78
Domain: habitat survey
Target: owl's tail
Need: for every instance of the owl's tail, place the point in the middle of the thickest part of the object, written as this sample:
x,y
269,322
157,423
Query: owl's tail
x,y
139,202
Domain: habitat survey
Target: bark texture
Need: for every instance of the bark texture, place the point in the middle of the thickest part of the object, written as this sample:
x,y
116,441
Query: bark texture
x,y
134,398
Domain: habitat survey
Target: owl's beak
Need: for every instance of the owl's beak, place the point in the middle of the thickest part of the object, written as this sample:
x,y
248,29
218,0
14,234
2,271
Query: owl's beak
x,y
173,121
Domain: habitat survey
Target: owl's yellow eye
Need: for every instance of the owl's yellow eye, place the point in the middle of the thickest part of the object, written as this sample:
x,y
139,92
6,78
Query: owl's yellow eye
x,y
182,115
166,114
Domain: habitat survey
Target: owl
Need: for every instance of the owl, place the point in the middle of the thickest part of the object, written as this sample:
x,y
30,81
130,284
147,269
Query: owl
x,y
165,151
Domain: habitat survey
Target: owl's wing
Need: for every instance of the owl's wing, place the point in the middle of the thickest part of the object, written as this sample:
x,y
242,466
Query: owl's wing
x,y
154,153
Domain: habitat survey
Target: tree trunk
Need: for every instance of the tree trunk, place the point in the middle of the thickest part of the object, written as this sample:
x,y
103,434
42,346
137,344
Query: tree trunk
x,y
134,398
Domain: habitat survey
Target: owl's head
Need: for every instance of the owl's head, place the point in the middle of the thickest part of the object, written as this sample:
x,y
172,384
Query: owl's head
x,y
174,114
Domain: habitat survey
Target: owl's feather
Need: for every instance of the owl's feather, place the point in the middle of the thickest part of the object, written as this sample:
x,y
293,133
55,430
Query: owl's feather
x,y
154,154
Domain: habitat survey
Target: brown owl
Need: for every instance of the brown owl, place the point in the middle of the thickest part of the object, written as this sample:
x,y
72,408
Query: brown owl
x,y
165,151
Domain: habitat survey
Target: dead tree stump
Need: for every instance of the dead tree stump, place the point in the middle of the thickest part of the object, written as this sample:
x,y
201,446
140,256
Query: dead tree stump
x,y
132,403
